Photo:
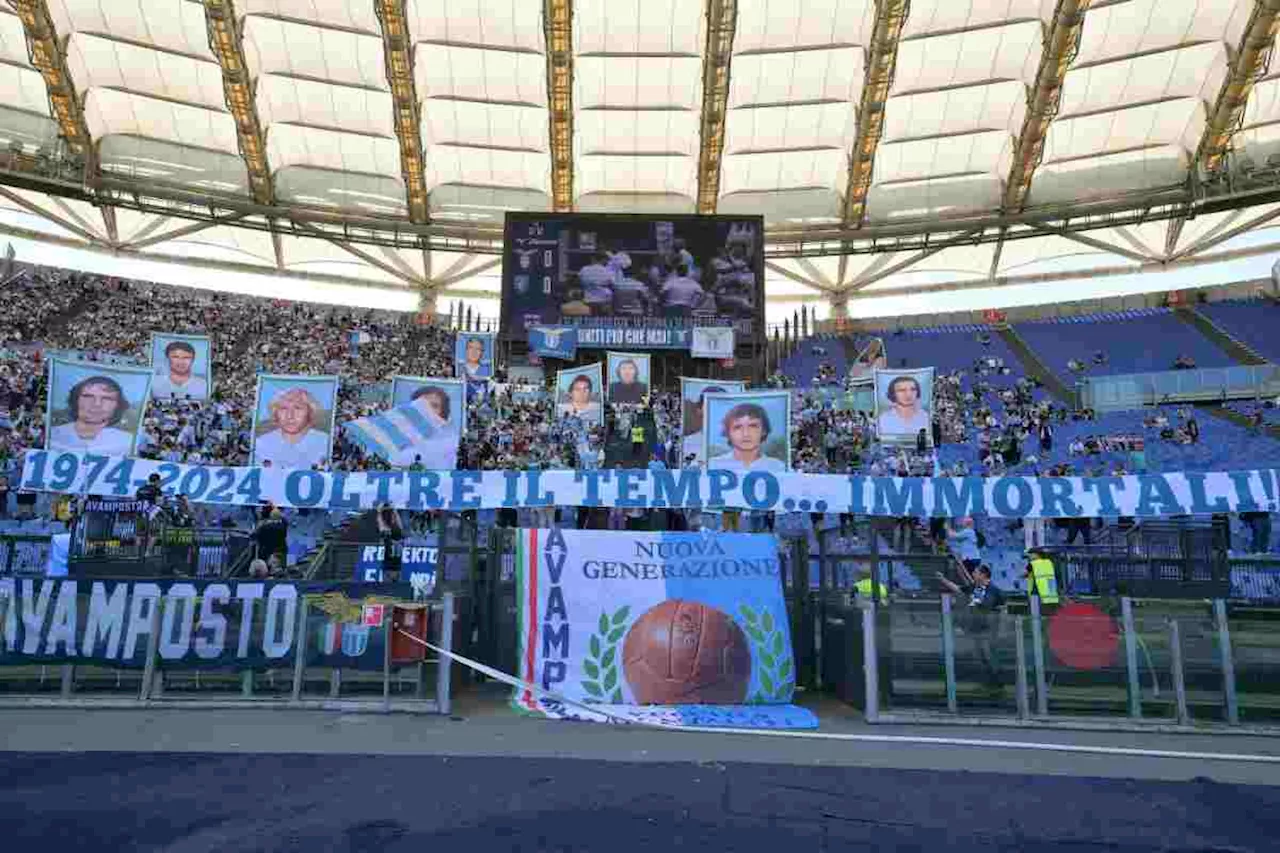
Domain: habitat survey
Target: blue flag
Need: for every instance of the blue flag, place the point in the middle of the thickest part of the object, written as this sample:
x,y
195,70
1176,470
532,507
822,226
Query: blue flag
x,y
554,341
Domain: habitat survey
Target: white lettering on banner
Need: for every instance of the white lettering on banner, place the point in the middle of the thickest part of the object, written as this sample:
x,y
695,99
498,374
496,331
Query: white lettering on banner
x,y
1143,496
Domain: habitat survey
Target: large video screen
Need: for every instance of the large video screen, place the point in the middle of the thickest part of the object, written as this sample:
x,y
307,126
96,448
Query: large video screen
x,y
618,270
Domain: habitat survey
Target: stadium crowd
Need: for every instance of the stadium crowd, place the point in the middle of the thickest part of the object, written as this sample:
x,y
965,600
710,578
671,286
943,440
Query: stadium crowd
x,y
987,418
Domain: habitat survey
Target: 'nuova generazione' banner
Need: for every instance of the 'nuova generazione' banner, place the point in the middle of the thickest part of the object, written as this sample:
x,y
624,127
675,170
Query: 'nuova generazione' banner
x,y
1149,495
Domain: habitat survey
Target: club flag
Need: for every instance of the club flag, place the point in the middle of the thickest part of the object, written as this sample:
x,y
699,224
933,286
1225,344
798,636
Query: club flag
x,y
712,342
554,341
396,433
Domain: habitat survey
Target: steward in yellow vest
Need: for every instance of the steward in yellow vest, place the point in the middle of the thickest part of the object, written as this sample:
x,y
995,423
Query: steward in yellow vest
x,y
1042,579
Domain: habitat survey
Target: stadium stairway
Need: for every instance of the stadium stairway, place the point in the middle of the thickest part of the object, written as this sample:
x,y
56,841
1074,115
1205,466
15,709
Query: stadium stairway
x,y
1240,419
1233,347
1035,366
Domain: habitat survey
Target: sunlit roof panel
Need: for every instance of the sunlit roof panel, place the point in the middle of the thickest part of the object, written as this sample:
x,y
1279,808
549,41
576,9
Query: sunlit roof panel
x,y
351,109
443,71
834,74
290,145
273,46
13,39
939,196
790,127
1138,26
793,170
989,152
1195,71
940,16
492,23
156,161
108,111
1167,122
790,208
1010,52
1264,103
637,81
340,14
969,109
622,174
791,24
634,203
636,131
174,25
638,27
476,123
24,89
1157,167
456,164
94,61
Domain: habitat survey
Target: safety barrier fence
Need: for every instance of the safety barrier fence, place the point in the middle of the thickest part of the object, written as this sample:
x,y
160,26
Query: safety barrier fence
x,y
161,643
1134,390
1085,662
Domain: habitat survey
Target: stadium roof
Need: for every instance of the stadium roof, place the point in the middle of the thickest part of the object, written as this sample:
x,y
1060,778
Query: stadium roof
x,y
895,147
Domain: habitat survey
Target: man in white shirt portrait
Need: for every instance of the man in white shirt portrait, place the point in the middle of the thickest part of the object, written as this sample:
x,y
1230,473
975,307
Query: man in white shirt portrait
x,y
907,416
473,366
96,405
179,380
293,443
746,428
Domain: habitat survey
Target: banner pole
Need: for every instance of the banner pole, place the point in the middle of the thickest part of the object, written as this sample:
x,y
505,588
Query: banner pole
x,y
300,650
1020,677
1179,677
153,645
949,652
870,664
1227,661
444,663
1037,657
1131,658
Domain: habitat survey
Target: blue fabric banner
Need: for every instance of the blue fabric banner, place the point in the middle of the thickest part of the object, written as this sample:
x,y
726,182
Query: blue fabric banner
x,y
554,341
1142,496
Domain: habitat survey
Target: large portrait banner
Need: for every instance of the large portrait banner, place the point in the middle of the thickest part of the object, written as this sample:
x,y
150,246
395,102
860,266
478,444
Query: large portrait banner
x,y
629,376
183,365
473,355
692,395
95,407
904,405
579,392
293,420
748,431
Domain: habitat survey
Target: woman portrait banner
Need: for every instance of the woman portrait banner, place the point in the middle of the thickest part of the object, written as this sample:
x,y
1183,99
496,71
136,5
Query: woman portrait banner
x,y
293,420
578,392
628,376
692,392
473,355
183,366
94,407
904,405
748,431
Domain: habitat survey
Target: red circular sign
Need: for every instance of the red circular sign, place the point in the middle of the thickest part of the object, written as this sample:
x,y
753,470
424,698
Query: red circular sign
x,y
1083,636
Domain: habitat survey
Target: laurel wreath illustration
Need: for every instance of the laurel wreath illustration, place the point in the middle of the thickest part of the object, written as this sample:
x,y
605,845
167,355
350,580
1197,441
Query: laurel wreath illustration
x,y
601,662
777,671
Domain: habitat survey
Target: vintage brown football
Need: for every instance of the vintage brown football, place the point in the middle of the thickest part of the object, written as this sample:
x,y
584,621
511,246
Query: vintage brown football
x,y
684,652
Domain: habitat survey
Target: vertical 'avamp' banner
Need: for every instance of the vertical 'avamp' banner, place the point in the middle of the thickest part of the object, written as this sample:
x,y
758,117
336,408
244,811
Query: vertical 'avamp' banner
x,y
668,619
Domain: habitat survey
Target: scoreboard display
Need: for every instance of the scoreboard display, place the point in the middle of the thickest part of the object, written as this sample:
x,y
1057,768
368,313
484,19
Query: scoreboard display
x,y
635,272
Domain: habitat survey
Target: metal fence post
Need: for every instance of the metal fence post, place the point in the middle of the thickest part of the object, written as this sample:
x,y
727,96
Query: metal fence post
x,y
68,680
1020,676
1037,658
1179,677
1131,658
949,652
1228,661
300,650
444,665
870,665
153,647
386,659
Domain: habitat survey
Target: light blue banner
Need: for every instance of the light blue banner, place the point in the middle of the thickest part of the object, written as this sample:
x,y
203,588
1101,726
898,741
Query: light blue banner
x,y
1143,496
554,341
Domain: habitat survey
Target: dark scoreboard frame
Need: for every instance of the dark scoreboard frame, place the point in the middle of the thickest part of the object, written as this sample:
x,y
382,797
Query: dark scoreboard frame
x,y
516,225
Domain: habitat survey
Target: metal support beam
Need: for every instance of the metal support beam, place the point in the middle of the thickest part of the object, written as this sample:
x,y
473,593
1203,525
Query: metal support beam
x,y
1095,243
722,22
1061,41
1208,242
1248,62
226,41
796,277
397,49
882,60
557,24
173,234
47,52
32,207
868,280
446,280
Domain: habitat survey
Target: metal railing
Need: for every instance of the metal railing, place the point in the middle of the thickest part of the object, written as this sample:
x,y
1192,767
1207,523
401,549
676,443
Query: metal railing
x,y
1135,390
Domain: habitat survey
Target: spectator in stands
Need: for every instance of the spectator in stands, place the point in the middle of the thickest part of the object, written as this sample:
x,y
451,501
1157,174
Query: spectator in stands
x,y
985,601
963,540
271,535
1184,362
1259,523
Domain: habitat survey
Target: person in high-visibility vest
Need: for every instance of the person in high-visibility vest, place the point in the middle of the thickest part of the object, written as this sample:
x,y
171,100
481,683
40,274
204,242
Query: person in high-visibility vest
x,y
1041,577
865,588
